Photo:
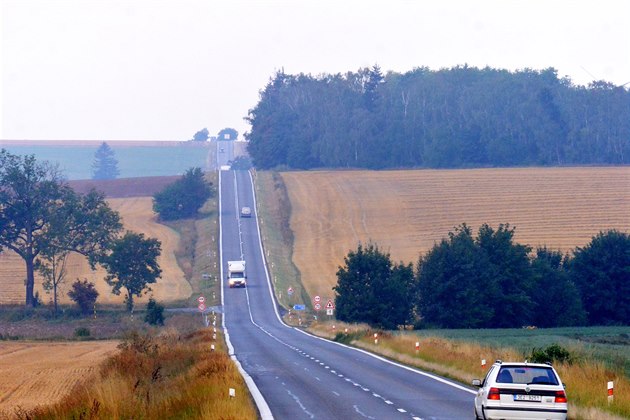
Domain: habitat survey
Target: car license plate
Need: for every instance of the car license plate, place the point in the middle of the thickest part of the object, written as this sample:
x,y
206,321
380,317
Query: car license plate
x,y
522,397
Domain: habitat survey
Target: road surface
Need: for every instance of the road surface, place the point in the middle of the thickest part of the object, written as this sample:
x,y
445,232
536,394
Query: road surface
x,y
300,376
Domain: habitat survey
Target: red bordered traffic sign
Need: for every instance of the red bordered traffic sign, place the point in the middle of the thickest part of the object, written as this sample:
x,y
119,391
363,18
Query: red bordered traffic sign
x,y
201,299
318,307
317,299
201,307
330,304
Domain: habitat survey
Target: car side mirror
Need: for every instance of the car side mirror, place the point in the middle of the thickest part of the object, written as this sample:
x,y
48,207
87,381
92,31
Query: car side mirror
x,y
476,382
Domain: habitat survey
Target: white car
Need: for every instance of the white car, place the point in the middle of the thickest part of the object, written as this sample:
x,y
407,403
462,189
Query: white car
x,y
246,212
520,391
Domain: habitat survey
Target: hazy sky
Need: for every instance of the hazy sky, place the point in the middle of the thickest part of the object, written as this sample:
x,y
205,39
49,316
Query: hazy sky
x,y
162,70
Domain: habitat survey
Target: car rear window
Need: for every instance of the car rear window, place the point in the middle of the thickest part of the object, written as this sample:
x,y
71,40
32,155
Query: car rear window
x,y
527,375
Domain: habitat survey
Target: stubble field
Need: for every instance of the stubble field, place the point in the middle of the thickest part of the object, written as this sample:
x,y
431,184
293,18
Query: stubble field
x,y
407,212
137,215
40,373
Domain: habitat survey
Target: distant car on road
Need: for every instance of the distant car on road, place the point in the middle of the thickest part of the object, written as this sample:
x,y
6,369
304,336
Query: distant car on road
x,y
520,391
246,212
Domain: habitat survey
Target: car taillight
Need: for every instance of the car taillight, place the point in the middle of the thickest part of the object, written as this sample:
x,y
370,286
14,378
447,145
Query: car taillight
x,y
561,397
494,394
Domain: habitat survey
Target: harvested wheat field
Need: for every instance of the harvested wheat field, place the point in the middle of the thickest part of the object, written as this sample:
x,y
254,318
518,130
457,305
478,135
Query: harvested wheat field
x,y
34,374
137,215
406,212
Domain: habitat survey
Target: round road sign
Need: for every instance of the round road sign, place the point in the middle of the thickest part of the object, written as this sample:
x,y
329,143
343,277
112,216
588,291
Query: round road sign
x,y
317,299
201,299
318,307
201,307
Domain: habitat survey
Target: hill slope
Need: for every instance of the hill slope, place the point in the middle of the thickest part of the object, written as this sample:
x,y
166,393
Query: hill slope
x,y
406,212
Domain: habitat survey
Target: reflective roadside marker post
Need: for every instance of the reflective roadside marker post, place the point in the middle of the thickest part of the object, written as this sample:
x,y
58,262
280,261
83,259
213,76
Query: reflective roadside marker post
x,y
610,392
483,363
232,393
417,345
375,338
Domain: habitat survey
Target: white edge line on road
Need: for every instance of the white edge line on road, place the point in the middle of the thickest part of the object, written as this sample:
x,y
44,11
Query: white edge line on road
x,y
261,403
275,308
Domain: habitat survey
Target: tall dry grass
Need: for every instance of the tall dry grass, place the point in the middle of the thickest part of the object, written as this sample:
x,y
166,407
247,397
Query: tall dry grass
x,y
585,380
163,376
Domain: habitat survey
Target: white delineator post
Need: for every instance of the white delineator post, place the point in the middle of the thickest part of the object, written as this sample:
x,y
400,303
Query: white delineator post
x,y
611,392
483,363
417,345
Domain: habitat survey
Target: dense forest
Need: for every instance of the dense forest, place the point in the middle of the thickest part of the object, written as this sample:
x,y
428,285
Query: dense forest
x,y
458,117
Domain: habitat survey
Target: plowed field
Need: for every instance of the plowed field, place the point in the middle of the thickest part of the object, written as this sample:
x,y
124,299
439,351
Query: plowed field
x,y
138,216
42,373
406,212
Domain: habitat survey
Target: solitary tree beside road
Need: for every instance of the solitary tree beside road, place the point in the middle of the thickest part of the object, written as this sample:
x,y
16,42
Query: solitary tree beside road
x,y
184,197
132,264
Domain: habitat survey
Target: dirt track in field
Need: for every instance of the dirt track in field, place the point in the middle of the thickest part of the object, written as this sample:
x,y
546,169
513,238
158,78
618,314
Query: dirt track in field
x,y
407,212
34,374
138,216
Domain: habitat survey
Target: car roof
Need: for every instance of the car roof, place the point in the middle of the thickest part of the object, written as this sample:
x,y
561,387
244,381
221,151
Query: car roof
x,y
523,364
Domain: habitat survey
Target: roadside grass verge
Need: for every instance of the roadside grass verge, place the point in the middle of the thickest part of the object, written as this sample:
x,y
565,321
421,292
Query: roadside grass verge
x,y
159,375
197,254
185,252
460,358
274,211
206,275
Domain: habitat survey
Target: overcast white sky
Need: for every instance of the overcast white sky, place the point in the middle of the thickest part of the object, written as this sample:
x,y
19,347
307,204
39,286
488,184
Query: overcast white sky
x,y
162,70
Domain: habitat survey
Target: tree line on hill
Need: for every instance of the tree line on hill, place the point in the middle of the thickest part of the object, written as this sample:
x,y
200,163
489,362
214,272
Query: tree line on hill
x,y
43,220
458,117
488,281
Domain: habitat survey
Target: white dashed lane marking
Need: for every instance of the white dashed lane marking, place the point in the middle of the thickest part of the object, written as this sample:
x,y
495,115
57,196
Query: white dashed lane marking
x,y
356,384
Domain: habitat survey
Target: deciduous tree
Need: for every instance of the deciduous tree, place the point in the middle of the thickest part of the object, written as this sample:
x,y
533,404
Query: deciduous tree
x,y
455,284
601,271
85,225
371,289
228,134
132,265
556,300
84,294
184,197
38,210
509,269
201,135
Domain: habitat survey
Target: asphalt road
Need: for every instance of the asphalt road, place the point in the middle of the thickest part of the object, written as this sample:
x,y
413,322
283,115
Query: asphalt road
x,y
300,376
